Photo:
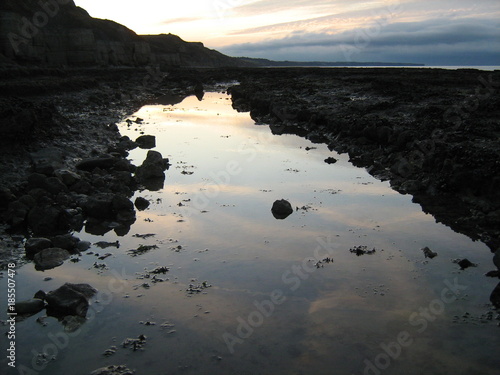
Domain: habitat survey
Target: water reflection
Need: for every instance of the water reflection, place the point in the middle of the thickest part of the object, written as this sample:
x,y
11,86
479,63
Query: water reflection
x,y
211,223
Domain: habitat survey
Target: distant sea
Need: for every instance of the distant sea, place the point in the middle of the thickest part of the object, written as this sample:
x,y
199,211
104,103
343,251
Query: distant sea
x,y
449,67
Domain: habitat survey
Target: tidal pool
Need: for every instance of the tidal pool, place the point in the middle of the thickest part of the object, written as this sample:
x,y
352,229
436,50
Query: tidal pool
x,y
249,294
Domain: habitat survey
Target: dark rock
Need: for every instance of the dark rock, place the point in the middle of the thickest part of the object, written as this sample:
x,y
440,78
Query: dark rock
x,y
16,213
146,141
67,177
40,295
66,242
113,370
83,245
281,209
99,206
35,245
29,307
428,253
122,203
496,259
465,263
51,184
330,160
70,299
47,220
47,160
153,167
103,162
141,203
50,258
6,197
495,296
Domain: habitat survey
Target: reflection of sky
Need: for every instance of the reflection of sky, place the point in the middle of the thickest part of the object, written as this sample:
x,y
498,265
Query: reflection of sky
x,y
337,316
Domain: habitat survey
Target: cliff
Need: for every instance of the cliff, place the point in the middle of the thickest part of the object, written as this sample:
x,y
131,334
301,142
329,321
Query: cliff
x,y
58,33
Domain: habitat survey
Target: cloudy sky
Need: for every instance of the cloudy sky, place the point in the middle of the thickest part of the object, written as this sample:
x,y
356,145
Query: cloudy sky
x,y
434,32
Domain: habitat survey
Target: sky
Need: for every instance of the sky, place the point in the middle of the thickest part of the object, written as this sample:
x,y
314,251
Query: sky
x,y
433,32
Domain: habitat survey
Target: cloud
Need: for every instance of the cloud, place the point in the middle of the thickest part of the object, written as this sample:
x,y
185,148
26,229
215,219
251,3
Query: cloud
x,y
426,41
181,20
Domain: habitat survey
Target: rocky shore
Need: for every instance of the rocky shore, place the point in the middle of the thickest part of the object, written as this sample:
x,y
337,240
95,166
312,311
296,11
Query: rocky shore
x,y
432,133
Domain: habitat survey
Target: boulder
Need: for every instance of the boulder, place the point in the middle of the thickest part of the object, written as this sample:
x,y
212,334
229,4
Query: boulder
x,y
50,258
49,220
35,245
99,206
51,184
281,209
102,162
67,177
495,296
66,242
146,141
153,167
29,307
70,299
47,160
141,203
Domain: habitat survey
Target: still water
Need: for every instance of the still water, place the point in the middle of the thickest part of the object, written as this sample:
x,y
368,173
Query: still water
x,y
245,293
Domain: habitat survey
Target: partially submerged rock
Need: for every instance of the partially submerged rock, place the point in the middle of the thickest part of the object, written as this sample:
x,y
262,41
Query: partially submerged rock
x,y
495,296
50,258
153,167
35,245
146,141
428,253
70,299
141,203
281,209
29,307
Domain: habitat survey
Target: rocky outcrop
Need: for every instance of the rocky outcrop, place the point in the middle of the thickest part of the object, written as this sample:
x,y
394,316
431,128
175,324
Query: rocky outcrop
x,y
59,33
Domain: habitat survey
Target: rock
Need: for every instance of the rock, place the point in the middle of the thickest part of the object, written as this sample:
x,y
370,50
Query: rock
x,y
281,209
113,370
50,258
99,206
428,253
330,160
103,162
496,259
146,141
465,263
495,296
153,166
67,177
70,299
16,213
47,160
40,295
47,220
35,245
29,307
66,242
6,196
122,203
83,245
141,203
51,184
